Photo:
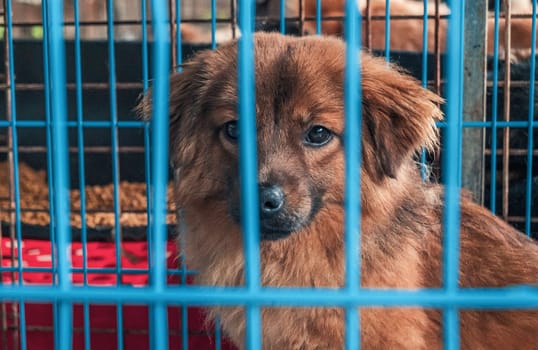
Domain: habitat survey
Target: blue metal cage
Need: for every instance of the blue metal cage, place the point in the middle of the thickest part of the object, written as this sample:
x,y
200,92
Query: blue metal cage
x,y
158,295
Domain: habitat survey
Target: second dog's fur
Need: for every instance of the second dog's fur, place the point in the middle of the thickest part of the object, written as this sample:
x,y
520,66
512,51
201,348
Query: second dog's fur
x,y
299,96
405,34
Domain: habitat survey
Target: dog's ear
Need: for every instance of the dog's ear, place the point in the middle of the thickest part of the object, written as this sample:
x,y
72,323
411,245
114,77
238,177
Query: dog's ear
x,y
183,94
398,118
179,96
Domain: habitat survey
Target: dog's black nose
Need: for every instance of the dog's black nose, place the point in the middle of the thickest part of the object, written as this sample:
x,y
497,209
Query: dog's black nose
x,y
271,200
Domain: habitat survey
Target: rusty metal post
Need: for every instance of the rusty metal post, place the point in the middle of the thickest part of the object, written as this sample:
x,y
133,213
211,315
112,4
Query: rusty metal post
x,y
474,103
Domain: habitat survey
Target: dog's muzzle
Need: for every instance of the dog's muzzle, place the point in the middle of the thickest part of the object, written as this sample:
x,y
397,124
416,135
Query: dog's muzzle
x,y
277,219
271,201
274,223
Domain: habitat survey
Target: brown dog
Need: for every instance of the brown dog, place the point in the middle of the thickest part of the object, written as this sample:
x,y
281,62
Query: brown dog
x,y
300,121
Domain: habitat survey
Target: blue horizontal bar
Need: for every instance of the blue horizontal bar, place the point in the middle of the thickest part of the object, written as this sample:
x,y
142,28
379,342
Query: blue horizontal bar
x,y
498,124
74,124
519,297
141,124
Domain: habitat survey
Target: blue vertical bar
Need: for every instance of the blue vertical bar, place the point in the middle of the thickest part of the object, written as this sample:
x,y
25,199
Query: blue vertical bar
x,y
530,129
179,49
115,159
147,145
185,321
425,45
248,169
352,151
424,78
46,82
282,16
52,224
423,166
145,68
82,172
16,184
218,336
494,106
183,267
213,24
184,308
387,30
60,164
452,169
114,131
145,84
80,138
159,157
318,17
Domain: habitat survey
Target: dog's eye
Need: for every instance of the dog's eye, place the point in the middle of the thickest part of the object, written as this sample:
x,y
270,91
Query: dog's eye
x,y
318,136
231,131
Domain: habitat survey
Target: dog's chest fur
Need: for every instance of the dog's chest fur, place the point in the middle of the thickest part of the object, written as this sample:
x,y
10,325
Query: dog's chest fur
x,y
403,253
312,259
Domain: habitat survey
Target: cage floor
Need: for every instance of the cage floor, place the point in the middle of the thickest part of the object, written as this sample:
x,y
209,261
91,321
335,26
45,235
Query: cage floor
x,y
103,318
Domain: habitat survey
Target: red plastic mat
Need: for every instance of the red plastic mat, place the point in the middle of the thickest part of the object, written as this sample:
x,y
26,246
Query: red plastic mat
x,y
39,318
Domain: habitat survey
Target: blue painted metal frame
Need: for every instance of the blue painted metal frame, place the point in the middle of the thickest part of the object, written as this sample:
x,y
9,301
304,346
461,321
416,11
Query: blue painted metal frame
x,y
424,78
16,184
159,166
46,81
282,11
213,24
158,295
452,170
494,123
530,129
352,151
179,52
518,297
387,30
248,170
318,16
183,267
140,124
60,166
115,160
81,170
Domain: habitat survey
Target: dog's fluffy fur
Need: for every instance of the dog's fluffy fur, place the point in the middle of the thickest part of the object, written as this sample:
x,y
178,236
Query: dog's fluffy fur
x,y
299,83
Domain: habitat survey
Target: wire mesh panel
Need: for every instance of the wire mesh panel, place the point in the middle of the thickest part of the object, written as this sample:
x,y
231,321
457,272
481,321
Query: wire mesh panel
x,y
93,232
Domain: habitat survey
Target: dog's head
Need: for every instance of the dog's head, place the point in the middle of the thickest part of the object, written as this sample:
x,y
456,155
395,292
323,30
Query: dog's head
x,y
300,126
